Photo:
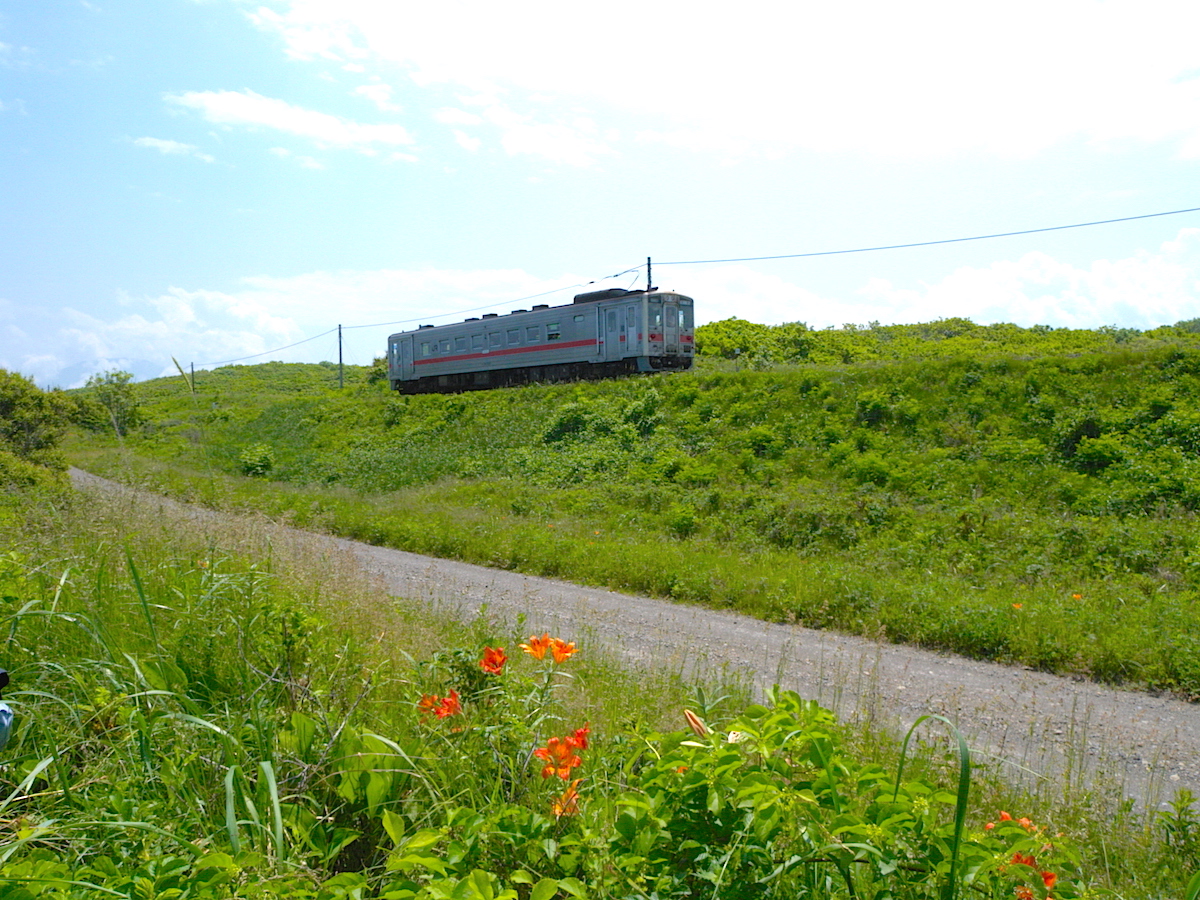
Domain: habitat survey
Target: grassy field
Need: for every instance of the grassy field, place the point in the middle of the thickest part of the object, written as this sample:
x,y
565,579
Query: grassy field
x,y
212,709
1032,509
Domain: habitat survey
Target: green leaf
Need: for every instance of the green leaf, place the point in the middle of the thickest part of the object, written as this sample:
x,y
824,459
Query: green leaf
x,y
544,889
574,887
394,826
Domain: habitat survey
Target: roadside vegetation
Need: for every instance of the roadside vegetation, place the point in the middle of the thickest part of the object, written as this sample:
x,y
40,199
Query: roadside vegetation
x,y
1022,495
212,708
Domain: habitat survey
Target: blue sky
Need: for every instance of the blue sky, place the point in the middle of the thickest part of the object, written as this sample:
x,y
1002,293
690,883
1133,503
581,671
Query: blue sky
x,y
211,180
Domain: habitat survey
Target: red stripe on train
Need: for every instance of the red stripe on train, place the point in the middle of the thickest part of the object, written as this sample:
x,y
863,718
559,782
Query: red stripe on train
x,y
507,351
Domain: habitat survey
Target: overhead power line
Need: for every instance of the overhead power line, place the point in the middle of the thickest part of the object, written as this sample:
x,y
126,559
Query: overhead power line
x,y
458,312
698,262
226,362
978,237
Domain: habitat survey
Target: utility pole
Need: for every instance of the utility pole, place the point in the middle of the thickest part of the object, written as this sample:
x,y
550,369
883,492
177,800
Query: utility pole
x,y
649,280
341,379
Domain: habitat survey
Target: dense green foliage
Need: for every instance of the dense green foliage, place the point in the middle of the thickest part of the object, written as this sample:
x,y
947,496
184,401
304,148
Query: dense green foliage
x,y
1012,494
31,423
193,724
205,711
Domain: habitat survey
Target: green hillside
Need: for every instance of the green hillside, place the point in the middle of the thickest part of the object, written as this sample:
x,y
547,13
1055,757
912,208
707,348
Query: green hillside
x,y
1016,494
210,710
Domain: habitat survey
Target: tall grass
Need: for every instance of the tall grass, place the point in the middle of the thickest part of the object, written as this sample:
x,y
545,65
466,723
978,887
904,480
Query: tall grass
x,y
230,710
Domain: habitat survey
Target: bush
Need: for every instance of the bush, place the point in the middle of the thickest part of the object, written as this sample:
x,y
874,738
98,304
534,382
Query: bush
x,y
257,460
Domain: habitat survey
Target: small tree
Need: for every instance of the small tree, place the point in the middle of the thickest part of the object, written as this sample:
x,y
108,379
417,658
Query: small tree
x,y
114,391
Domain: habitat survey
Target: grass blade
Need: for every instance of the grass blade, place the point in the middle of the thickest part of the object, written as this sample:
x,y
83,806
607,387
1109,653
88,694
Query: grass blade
x,y
276,812
141,592
964,791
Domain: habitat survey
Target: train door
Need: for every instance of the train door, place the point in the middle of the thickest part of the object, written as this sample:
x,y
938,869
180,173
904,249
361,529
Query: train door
x,y
670,328
405,360
611,332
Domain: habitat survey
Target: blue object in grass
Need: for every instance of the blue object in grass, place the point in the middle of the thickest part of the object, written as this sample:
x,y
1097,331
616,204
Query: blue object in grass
x,y
6,714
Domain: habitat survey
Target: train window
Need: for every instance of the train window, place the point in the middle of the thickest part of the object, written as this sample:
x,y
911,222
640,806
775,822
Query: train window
x,y
533,334
495,339
460,343
630,316
477,342
656,317
670,311
611,320
446,345
579,318
424,348
552,332
514,336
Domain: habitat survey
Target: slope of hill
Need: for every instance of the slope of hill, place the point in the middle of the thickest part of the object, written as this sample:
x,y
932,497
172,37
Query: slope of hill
x,y
1023,495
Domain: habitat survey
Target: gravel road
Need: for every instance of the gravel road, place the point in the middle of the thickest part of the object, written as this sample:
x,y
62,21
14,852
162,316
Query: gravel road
x,y
1028,723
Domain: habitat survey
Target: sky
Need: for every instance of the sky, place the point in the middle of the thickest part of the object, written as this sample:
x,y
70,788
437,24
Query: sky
x,y
206,181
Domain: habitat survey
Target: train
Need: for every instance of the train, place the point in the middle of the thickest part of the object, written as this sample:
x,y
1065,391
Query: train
x,y
600,334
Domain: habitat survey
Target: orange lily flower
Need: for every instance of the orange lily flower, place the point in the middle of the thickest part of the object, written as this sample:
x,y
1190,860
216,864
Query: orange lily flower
x,y
1049,879
493,660
559,756
428,703
537,646
568,803
561,649
579,740
449,706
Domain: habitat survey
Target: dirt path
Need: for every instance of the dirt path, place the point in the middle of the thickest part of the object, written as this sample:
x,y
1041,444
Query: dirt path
x,y
1069,731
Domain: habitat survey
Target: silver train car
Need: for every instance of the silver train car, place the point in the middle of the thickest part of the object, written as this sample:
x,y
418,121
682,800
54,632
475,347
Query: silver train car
x,y
600,334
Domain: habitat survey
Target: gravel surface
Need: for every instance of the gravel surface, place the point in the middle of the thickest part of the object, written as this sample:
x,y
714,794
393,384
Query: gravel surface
x,y
1031,725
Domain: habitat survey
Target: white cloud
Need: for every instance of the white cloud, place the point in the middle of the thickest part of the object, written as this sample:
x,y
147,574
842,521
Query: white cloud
x,y
451,116
247,108
1142,291
305,162
922,78
378,93
574,142
466,141
173,148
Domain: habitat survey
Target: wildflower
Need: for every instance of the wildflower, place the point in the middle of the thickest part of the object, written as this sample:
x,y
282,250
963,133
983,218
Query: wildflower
x,y
989,826
493,660
537,646
1025,823
695,723
579,740
1024,893
1077,596
1005,817
560,758
1024,859
428,703
561,650
568,803
1049,879
449,706
1018,606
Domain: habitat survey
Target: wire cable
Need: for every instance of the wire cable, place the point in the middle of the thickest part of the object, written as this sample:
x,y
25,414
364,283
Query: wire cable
x,y
978,237
265,352
436,316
